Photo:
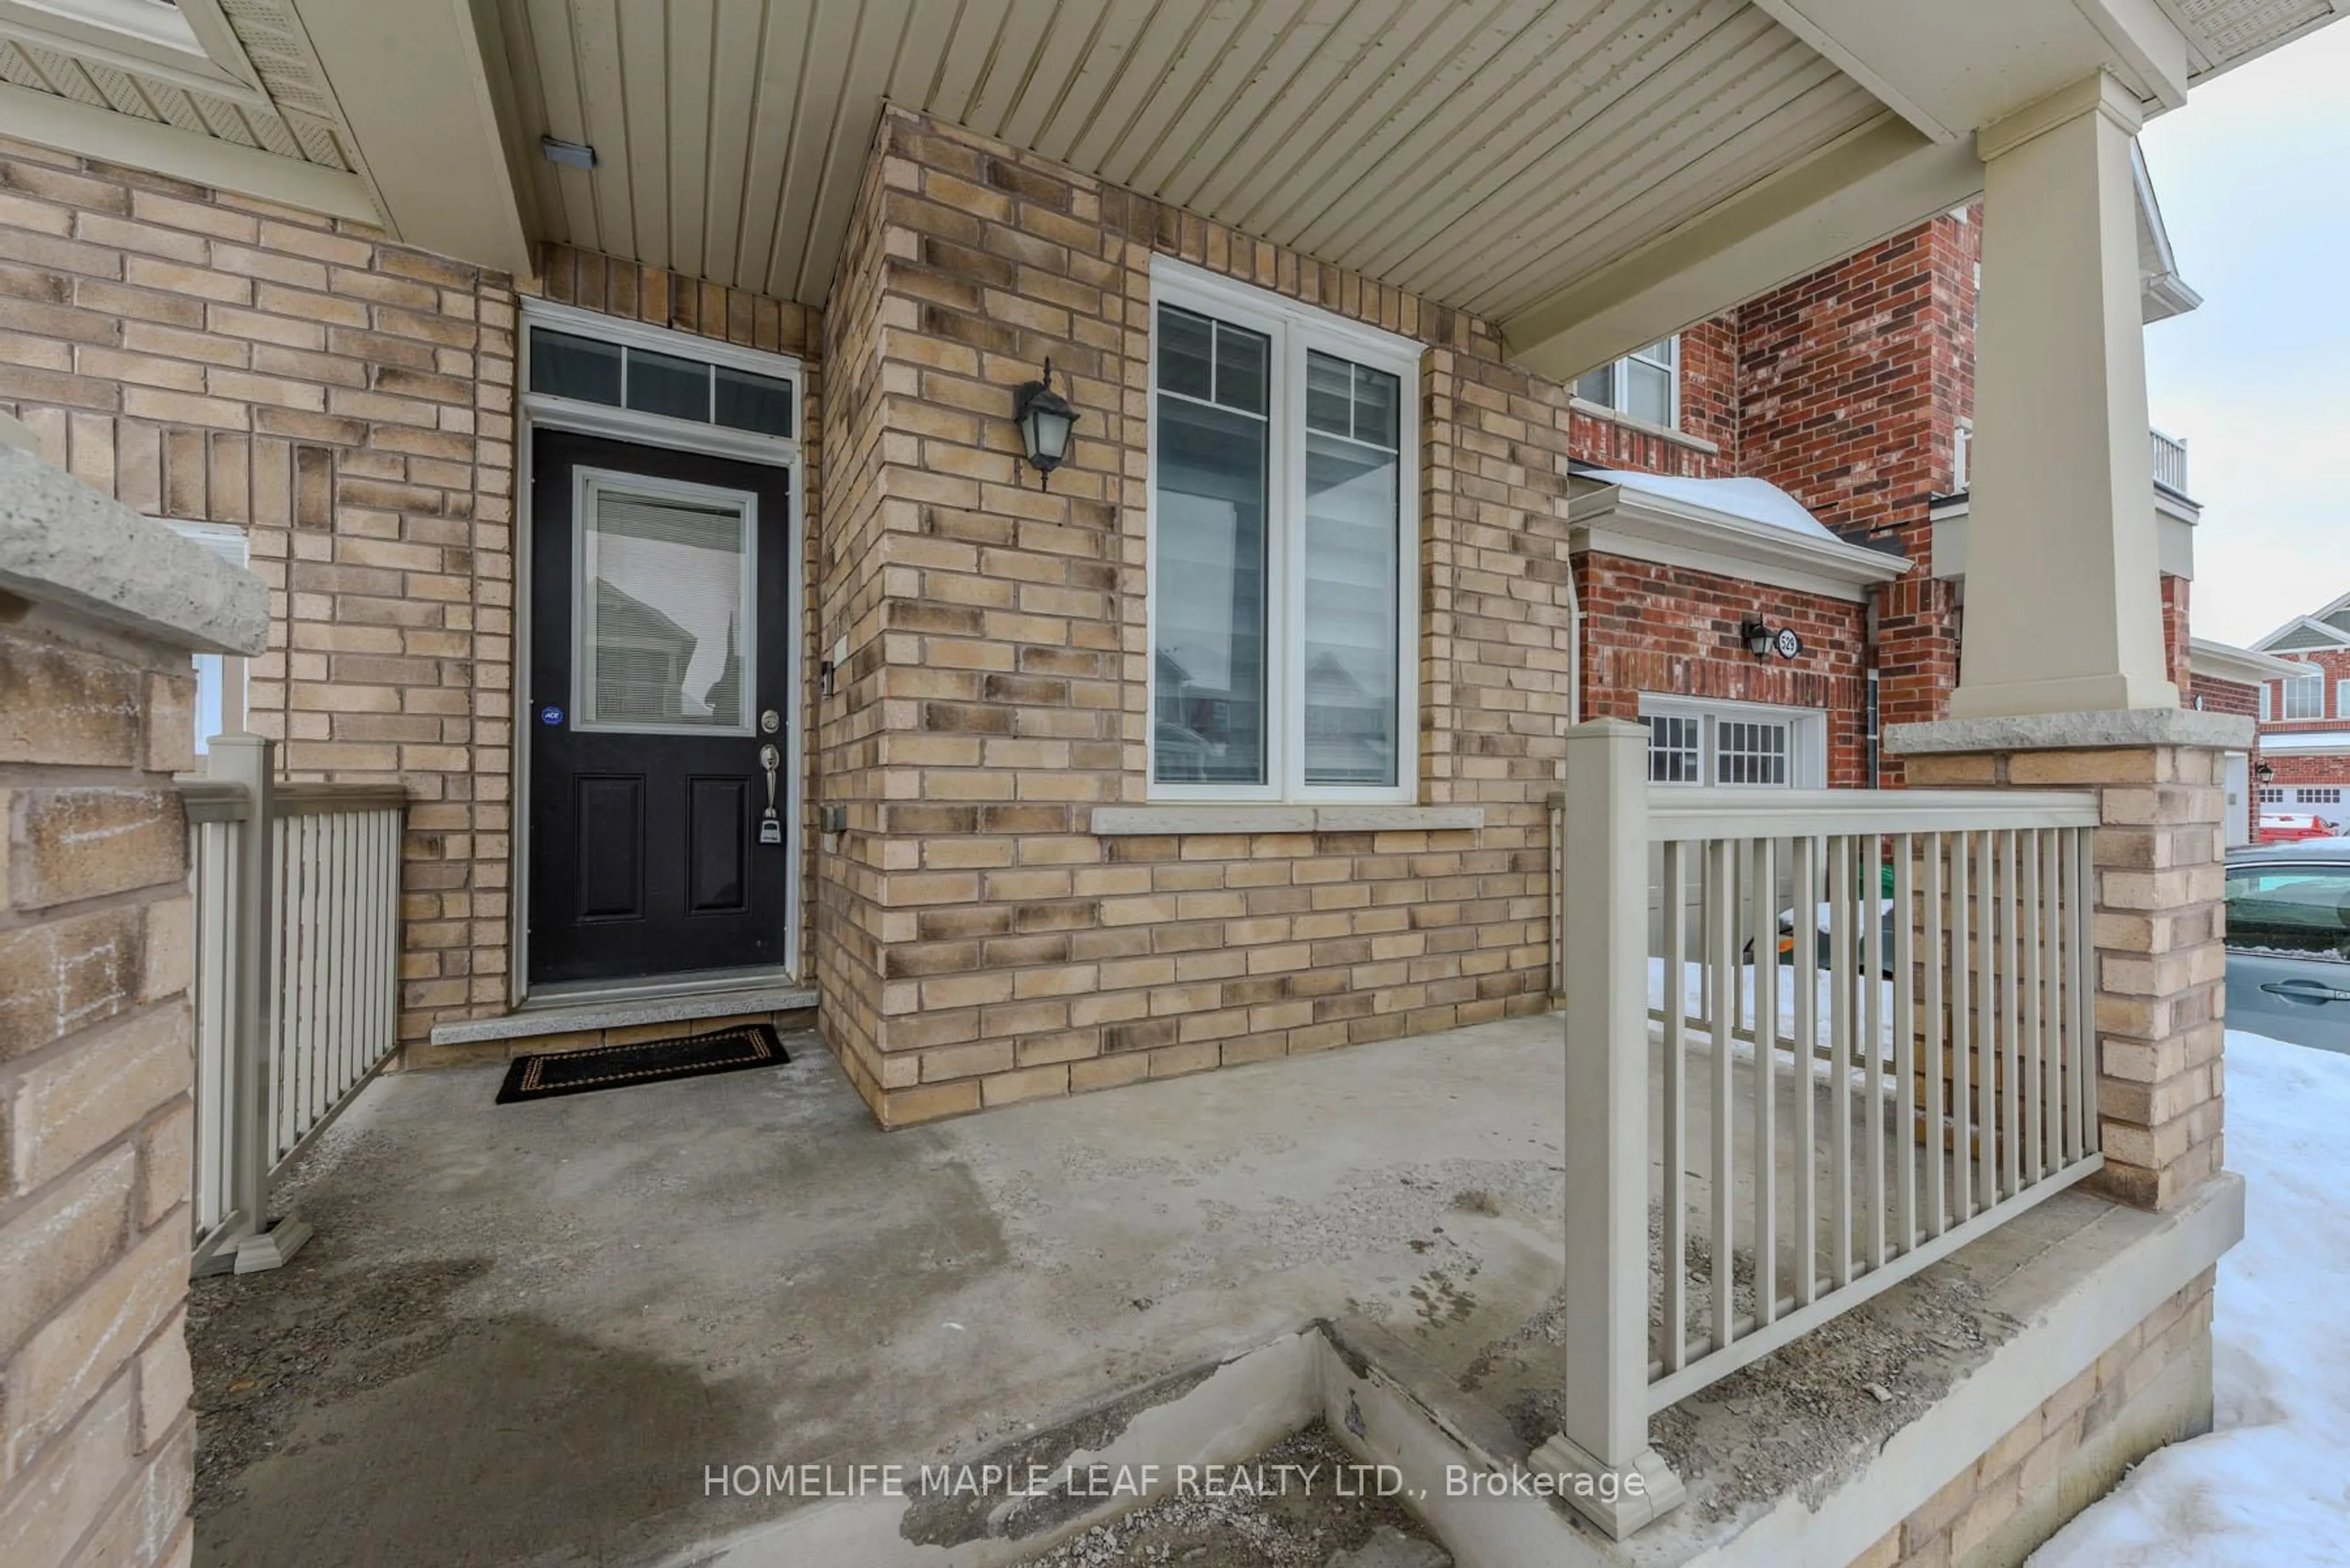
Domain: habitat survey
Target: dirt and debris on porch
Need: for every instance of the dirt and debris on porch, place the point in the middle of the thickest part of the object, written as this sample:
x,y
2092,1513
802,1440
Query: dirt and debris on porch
x,y
524,1333
1301,1524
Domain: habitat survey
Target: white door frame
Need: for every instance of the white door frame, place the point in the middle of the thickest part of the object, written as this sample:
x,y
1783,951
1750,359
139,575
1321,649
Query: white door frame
x,y
538,410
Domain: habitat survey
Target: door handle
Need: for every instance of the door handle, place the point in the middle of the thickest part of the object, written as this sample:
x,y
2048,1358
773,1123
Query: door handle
x,y
2306,991
771,826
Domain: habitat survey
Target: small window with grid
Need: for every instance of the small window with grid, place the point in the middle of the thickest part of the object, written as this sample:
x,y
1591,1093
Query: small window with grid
x,y
1674,744
2327,795
1747,751
2271,794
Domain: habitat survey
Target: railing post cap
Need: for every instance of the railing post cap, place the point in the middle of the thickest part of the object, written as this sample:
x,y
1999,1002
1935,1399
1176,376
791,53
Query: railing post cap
x,y
1606,730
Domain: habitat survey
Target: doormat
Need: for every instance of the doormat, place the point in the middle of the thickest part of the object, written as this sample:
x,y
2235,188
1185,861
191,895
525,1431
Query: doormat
x,y
552,1072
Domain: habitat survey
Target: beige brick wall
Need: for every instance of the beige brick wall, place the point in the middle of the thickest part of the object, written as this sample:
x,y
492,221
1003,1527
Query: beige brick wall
x,y
981,944
2151,1387
348,404
96,1441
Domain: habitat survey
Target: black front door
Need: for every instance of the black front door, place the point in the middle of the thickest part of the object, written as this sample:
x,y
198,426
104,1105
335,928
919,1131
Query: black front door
x,y
658,584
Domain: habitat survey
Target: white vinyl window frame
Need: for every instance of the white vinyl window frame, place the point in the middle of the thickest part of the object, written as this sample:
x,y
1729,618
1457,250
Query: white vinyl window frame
x,y
1806,730
588,484
1620,381
221,678
1293,331
2303,696
621,423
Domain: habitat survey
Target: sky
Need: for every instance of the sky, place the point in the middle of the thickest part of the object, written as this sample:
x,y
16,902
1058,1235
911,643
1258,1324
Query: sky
x,y
2251,176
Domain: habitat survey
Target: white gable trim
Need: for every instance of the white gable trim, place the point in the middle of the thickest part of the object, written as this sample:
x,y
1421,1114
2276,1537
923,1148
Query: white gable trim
x,y
2304,622
2225,661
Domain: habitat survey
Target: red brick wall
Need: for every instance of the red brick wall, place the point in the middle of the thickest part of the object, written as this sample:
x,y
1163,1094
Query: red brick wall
x,y
2174,631
1664,629
2334,716
2213,695
1709,405
1853,382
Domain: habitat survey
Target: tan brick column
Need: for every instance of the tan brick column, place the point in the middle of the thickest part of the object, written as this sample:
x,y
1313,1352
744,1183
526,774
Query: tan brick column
x,y
2161,965
98,611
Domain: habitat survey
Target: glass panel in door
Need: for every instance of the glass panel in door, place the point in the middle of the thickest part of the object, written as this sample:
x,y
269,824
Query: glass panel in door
x,y
664,609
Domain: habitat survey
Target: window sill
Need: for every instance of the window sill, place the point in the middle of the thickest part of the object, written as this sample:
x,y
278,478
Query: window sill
x,y
1602,412
1172,819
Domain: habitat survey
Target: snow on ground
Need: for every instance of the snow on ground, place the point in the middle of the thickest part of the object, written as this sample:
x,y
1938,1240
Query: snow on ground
x,y
2271,1484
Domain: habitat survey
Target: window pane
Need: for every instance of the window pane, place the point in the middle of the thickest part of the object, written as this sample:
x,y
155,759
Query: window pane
x,y
1597,386
1329,395
659,384
570,367
660,588
2294,909
1378,407
1241,358
1746,752
1659,353
749,403
1672,748
1353,620
1209,636
1649,392
1187,353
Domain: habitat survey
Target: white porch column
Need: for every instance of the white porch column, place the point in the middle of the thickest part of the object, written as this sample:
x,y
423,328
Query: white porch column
x,y
2064,589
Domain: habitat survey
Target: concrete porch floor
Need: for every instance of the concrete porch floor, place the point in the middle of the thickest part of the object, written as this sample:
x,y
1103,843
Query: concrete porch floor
x,y
523,1331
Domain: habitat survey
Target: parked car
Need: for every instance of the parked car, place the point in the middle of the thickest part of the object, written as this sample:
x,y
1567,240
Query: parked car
x,y
1824,923
2289,942
2293,827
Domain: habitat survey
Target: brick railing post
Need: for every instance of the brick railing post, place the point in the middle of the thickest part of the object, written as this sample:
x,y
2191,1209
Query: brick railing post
x,y
98,611
2160,914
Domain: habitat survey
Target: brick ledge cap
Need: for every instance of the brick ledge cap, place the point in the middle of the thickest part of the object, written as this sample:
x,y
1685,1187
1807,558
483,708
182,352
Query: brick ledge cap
x,y
2075,731
62,543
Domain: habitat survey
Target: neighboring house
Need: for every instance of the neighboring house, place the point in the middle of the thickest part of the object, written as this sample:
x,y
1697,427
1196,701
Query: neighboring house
x,y
2305,716
2230,679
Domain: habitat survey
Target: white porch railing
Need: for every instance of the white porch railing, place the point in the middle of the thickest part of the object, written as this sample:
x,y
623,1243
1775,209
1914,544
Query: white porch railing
x,y
1947,989
2169,463
297,949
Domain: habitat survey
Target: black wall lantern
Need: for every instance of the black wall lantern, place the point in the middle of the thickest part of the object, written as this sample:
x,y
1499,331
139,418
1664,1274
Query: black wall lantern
x,y
2265,772
1046,419
1763,642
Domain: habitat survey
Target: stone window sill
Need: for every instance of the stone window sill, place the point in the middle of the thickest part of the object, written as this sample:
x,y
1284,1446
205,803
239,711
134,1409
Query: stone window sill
x,y
1602,412
1133,821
